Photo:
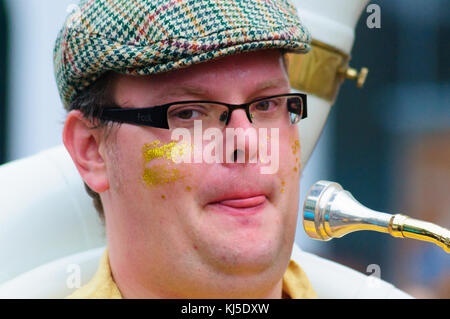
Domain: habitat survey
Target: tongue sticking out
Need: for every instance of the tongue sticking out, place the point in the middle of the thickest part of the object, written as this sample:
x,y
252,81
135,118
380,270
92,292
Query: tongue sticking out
x,y
244,202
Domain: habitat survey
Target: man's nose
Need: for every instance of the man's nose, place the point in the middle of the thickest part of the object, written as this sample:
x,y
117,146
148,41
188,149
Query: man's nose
x,y
238,118
241,139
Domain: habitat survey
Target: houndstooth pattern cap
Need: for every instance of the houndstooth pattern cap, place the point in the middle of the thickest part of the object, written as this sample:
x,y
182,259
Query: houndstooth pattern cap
x,y
144,37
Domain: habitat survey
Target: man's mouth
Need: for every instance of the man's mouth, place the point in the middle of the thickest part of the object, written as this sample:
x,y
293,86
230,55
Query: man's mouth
x,y
244,202
240,205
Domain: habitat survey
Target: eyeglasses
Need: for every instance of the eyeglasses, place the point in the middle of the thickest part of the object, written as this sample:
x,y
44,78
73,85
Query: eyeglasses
x,y
273,111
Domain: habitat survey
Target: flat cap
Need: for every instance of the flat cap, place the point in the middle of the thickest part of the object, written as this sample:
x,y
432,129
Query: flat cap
x,y
144,37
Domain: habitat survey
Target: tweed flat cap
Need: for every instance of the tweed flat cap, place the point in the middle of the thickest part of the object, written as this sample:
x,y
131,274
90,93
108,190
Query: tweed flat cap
x,y
144,37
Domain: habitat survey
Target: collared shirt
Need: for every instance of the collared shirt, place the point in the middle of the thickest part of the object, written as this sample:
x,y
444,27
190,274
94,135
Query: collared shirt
x,y
296,284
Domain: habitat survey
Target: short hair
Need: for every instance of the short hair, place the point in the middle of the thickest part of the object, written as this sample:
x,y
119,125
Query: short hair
x,y
90,102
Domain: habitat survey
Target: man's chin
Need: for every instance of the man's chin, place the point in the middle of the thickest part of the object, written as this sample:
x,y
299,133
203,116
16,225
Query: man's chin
x,y
243,243
245,257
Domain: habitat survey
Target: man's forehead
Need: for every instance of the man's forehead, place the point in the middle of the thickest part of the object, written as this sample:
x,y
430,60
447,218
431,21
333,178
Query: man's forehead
x,y
251,72
203,90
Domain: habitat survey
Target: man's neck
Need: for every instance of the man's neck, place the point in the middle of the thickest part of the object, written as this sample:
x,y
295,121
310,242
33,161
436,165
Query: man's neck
x,y
130,291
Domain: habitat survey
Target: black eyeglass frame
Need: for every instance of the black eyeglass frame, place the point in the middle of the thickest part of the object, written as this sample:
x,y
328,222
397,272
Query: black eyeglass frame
x,y
156,116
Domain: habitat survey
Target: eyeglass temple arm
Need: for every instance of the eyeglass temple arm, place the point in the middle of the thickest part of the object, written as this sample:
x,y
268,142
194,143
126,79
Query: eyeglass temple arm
x,y
154,117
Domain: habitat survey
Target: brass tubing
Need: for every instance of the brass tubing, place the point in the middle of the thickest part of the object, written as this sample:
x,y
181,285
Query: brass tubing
x,y
322,71
407,227
331,212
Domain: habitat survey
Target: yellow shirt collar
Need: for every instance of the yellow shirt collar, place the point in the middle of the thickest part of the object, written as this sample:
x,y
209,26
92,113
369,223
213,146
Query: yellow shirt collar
x,y
296,284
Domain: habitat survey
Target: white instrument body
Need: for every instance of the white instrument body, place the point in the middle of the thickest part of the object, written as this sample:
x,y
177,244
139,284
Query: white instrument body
x,y
331,22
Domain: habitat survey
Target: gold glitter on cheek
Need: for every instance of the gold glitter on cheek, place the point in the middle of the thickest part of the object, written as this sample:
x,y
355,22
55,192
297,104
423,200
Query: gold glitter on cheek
x,y
159,175
157,150
188,188
163,197
296,151
296,147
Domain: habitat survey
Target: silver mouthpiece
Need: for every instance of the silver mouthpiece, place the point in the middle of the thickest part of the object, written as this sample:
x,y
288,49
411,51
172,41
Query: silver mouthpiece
x,y
331,212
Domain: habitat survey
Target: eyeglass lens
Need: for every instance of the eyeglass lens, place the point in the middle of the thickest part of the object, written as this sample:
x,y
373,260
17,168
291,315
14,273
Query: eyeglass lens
x,y
271,112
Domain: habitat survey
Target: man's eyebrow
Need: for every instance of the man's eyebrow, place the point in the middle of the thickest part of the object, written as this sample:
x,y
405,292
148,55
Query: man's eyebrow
x,y
186,90
200,91
272,84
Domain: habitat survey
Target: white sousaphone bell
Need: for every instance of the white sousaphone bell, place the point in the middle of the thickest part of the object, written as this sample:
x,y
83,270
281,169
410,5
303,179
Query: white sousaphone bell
x,y
321,72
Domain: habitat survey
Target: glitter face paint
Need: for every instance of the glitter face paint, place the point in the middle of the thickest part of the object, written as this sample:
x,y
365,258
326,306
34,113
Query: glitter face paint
x,y
157,150
160,174
296,151
296,147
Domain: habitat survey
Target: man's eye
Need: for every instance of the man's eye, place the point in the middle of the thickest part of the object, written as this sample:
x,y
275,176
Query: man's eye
x,y
269,105
187,114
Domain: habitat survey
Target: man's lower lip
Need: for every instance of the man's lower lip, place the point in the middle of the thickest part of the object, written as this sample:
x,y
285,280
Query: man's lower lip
x,y
244,206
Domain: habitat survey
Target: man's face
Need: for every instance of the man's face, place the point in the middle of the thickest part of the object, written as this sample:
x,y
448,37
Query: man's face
x,y
176,227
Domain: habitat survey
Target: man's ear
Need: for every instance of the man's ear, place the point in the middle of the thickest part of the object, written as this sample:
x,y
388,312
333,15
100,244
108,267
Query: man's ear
x,y
83,144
